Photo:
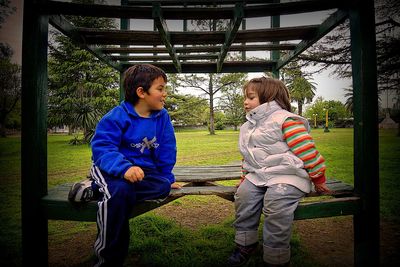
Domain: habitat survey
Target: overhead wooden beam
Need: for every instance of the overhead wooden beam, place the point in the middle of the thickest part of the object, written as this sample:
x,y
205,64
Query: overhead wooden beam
x,y
117,37
65,27
192,2
164,34
211,67
230,34
166,57
330,23
189,13
196,49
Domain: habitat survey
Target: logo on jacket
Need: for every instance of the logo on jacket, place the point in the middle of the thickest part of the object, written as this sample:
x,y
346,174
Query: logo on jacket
x,y
146,144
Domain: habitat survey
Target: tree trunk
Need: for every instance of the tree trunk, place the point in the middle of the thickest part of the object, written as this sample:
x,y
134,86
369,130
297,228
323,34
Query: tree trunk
x,y
210,90
300,108
2,130
3,124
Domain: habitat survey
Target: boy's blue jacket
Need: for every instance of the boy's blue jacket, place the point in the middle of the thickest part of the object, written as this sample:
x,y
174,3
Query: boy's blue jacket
x,y
124,139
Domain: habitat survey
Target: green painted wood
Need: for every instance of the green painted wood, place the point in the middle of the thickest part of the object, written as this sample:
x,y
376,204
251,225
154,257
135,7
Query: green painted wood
x,y
198,67
34,136
58,208
366,141
230,34
199,180
144,11
197,49
165,35
124,25
150,38
157,58
64,26
327,208
329,24
275,55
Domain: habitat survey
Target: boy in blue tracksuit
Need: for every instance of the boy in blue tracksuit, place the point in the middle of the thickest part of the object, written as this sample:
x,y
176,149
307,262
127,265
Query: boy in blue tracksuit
x,y
133,152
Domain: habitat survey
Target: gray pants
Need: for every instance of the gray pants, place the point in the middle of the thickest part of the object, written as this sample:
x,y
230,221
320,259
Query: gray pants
x,y
278,203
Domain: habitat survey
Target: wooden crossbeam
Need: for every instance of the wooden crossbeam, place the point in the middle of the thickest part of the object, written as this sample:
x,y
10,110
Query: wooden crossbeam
x,y
345,203
331,22
119,37
211,67
65,27
230,34
165,57
164,34
140,11
197,49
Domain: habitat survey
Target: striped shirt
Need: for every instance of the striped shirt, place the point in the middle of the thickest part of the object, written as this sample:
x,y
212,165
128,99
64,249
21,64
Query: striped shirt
x,y
302,145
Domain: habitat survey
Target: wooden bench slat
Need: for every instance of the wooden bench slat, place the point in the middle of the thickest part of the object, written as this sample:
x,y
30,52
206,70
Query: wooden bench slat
x,y
327,208
57,207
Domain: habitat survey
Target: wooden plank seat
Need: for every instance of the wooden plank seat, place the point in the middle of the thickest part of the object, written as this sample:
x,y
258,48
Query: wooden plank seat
x,y
201,180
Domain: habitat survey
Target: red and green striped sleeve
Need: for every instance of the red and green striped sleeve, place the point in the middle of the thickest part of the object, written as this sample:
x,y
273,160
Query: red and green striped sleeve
x,y
302,145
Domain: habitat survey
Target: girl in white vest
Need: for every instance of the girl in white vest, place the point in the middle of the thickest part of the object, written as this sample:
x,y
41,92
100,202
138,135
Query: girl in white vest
x,y
280,163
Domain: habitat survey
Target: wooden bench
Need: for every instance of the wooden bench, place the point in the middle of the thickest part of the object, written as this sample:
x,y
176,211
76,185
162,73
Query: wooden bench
x,y
202,181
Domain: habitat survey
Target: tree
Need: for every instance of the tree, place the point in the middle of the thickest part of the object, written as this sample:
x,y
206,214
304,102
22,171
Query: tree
x,y
81,87
10,85
349,99
231,102
5,10
334,51
186,110
301,89
210,84
336,110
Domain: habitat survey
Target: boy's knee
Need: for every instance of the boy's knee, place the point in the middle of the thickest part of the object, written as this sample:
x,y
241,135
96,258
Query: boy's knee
x,y
165,187
122,189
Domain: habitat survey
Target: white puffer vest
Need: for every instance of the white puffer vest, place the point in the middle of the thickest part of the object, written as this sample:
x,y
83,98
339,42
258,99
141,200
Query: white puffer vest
x,y
267,156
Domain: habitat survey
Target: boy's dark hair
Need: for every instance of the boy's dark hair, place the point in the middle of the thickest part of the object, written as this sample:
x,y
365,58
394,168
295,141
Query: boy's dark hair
x,y
141,75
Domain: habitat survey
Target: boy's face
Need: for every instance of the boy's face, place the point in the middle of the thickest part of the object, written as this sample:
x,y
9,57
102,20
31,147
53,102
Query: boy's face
x,y
251,99
155,97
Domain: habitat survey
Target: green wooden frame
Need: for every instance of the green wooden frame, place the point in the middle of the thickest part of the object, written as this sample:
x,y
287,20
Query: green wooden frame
x,y
39,13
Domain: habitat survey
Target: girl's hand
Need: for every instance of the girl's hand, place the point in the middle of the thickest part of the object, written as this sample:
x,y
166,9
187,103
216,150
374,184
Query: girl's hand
x,y
134,174
322,188
176,186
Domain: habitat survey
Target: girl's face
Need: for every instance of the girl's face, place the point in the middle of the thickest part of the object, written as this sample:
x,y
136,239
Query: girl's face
x,y
251,99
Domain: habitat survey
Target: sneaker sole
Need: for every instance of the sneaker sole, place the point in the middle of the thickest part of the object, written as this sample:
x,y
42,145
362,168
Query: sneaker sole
x,y
73,191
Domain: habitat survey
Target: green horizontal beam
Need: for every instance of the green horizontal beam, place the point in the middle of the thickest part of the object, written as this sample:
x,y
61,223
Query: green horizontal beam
x,y
329,24
65,27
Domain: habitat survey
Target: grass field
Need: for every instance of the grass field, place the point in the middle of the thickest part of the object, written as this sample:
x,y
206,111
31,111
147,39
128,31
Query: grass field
x,y
68,163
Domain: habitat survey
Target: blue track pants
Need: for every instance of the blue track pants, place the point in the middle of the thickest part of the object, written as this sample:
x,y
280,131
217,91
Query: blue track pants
x,y
119,196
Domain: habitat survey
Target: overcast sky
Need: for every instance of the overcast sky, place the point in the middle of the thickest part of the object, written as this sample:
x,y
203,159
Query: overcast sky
x,y
327,87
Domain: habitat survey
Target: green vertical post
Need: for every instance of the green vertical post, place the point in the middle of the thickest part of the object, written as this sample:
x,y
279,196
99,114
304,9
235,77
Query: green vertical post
x,y
124,25
275,55
366,140
244,28
34,136
185,29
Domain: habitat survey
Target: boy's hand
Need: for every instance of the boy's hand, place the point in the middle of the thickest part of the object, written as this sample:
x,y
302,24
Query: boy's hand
x,y
176,186
321,188
134,174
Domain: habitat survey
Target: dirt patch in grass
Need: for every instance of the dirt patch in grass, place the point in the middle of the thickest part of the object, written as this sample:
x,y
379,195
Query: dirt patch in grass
x,y
328,241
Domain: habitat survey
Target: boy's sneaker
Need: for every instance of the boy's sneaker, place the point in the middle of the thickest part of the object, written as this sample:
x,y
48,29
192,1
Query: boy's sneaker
x,y
81,191
241,254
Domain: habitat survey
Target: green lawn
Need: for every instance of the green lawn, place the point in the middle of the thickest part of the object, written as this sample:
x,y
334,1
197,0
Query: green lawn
x,y
68,163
